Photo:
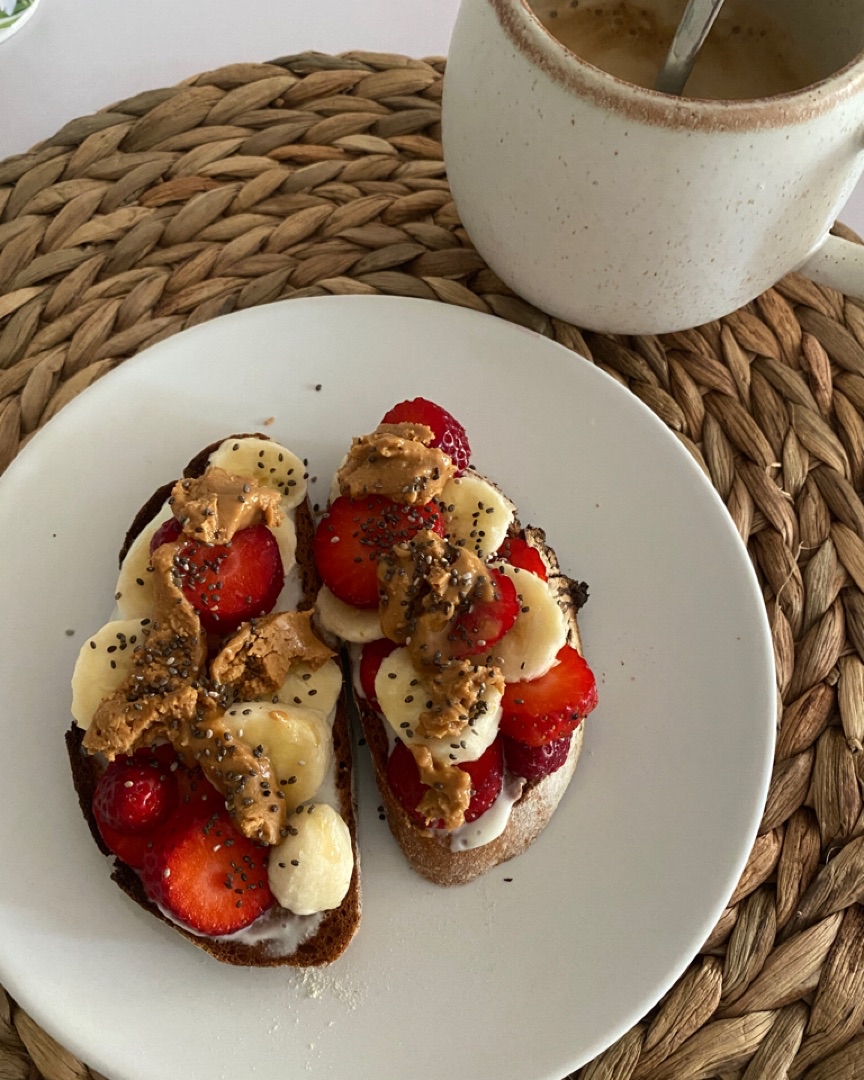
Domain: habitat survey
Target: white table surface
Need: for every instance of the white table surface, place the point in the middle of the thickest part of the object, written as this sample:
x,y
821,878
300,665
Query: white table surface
x,y
76,56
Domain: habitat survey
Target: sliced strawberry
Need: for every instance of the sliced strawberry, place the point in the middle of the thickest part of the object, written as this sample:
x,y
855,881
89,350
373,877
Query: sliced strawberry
x,y
134,796
535,762
228,584
208,875
167,533
190,797
548,708
487,621
131,849
449,435
371,659
518,552
487,777
354,533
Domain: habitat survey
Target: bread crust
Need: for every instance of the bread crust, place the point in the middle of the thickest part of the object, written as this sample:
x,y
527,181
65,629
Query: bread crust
x,y
429,853
337,927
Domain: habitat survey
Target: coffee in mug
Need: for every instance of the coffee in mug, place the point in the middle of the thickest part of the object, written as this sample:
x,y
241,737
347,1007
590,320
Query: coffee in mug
x,y
747,54
626,210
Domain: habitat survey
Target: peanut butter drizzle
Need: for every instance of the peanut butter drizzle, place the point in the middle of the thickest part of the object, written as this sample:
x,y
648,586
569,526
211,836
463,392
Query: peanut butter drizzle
x,y
255,661
241,772
396,461
213,507
455,697
158,687
426,582
449,793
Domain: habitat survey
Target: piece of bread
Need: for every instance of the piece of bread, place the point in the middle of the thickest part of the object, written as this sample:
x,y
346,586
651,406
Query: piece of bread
x,y
328,934
429,851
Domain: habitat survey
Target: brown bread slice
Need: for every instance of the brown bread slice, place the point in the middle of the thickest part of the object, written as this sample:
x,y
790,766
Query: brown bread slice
x,y
430,854
337,927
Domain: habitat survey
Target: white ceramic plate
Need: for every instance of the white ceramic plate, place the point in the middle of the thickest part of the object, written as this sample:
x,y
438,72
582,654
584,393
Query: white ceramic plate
x,y
526,973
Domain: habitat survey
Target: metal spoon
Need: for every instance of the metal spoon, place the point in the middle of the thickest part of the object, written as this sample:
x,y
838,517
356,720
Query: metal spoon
x,y
697,20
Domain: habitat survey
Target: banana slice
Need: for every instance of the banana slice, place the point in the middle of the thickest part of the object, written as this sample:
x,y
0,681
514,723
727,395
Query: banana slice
x,y
317,689
529,648
296,740
134,592
286,537
268,462
346,621
310,871
103,663
477,512
402,695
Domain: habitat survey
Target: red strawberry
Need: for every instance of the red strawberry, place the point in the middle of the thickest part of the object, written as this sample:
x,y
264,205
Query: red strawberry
x,y
190,797
550,707
133,797
371,659
354,533
448,433
167,533
518,552
487,621
228,584
535,762
487,776
208,875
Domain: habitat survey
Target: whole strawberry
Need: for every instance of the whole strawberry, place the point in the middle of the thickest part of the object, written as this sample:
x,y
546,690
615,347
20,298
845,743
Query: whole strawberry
x,y
449,435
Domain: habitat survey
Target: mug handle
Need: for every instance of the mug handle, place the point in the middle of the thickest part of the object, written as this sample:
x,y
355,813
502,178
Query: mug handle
x,y
839,264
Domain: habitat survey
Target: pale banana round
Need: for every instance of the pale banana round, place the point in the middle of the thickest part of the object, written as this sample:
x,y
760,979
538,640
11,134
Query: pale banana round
x,y
311,871
315,688
286,537
296,740
345,621
477,512
529,648
268,462
98,671
134,592
402,694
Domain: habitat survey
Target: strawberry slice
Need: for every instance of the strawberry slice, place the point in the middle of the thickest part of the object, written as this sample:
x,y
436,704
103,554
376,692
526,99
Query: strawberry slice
x,y
131,820
228,584
518,552
449,435
535,762
134,796
487,777
486,621
208,875
371,658
354,533
552,706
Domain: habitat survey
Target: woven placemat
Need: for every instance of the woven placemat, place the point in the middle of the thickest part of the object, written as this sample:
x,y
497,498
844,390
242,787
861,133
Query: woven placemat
x,y
320,175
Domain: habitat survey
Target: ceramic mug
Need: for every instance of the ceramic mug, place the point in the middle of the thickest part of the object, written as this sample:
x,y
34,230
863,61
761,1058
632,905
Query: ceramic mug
x,y
626,210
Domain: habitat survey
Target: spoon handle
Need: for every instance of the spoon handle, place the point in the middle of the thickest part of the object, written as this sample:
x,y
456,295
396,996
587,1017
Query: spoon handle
x,y
697,20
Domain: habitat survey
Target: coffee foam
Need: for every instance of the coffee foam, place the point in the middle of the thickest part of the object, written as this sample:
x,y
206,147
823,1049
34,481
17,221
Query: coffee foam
x,y
746,55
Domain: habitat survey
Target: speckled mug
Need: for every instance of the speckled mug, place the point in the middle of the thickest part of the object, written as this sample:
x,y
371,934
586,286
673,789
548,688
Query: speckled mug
x,y
629,211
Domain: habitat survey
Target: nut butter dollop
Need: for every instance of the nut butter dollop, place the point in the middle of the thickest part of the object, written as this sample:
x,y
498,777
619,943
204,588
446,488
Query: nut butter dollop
x,y
216,505
454,696
256,659
449,793
159,684
425,584
242,773
396,461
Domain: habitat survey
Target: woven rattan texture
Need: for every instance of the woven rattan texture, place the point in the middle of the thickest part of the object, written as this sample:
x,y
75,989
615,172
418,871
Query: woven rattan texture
x,y
321,175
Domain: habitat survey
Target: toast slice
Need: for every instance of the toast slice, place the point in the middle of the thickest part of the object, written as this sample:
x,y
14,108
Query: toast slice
x,y
279,935
520,764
